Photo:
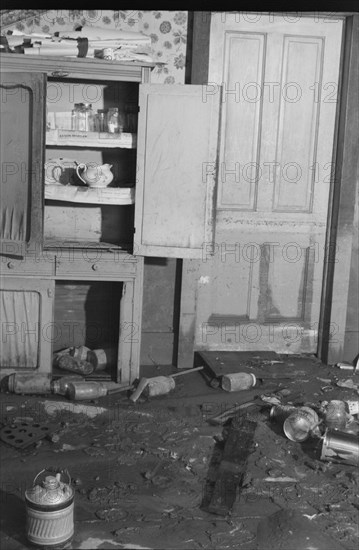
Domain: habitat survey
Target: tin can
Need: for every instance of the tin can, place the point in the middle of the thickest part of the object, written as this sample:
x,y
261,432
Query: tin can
x,y
238,381
280,412
108,53
102,358
340,447
300,423
80,353
50,511
81,391
352,407
335,415
69,363
29,382
159,385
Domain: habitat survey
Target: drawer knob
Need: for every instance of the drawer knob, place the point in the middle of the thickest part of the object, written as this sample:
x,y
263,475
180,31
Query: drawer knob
x,y
95,267
59,74
11,265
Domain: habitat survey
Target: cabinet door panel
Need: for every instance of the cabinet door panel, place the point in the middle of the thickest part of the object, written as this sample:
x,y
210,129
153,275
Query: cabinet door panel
x,y
26,308
177,151
22,146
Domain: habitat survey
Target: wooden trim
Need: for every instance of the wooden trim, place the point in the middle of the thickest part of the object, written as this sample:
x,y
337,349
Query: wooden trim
x,y
63,67
341,225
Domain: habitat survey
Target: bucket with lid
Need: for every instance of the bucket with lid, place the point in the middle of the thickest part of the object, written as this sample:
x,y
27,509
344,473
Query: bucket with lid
x,y
50,510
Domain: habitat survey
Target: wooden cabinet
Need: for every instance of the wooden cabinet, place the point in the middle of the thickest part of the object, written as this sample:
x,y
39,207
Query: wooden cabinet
x,y
160,202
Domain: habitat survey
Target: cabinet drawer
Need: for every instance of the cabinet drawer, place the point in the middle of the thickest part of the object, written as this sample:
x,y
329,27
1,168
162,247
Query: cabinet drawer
x,y
27,266
110,267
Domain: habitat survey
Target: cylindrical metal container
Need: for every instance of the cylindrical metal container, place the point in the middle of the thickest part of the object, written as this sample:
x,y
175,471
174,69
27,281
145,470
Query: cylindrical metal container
x,y
61,386
50,511
300,423
280,412
340,447
352,407
238,381
159,385
335,415
69,363
81,391
102,358
80,353
29,382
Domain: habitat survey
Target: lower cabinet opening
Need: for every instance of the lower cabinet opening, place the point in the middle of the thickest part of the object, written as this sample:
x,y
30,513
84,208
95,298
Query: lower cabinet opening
x,y
87,314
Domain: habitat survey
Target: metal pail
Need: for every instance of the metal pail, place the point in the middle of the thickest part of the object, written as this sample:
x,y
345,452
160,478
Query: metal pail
x,y
50,511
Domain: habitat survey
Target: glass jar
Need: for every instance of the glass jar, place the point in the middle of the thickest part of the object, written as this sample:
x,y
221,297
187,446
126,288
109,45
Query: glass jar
x,y
113,120
83,117
75,116
101,120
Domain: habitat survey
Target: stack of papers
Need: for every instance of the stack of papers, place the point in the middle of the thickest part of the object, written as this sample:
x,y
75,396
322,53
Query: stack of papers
x,y
87,41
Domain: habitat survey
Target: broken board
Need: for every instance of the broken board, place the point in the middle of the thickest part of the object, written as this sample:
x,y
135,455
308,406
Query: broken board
x,y
263,364
232,467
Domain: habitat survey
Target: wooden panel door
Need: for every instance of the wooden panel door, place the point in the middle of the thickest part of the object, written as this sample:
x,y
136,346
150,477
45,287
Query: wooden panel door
x,y
262,287
26,308
22,147
177,152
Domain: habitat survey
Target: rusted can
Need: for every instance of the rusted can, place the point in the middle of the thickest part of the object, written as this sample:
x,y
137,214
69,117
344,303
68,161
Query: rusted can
x,y
69,363
81,391
335,415
29,383
50,511
238,381
340,447
159,385
108,53
280,412
80,353
352,407
300,423
102,358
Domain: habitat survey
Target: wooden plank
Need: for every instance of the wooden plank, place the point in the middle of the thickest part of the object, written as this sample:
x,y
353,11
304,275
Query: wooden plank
x,y
86,195
237,448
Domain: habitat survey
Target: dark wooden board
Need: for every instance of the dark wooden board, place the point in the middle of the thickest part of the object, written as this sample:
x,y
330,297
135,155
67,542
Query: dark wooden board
x,y
232,467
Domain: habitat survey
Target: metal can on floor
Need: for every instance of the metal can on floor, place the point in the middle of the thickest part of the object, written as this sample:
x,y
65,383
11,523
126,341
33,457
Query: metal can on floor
x,y
336,415
340,447
300,423
279,413
50,511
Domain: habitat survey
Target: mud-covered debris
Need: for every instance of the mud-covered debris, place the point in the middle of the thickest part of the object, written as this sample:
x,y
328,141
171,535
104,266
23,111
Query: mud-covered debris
x,y
112,514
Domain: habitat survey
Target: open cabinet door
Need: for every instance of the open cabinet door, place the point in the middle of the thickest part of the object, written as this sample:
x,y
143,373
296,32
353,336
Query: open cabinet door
x,y
176,173
22,145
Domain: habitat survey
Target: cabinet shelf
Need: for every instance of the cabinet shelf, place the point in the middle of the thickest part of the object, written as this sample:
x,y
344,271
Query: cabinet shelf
x,y
101,140
86,195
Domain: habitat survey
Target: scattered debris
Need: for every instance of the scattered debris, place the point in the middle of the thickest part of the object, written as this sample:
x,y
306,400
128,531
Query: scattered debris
x,y
23,434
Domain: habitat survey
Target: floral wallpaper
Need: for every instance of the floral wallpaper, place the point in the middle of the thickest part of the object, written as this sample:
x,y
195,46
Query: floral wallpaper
x,y
167,29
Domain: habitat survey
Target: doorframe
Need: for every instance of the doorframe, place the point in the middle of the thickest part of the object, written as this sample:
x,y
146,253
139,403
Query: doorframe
x,y
340,226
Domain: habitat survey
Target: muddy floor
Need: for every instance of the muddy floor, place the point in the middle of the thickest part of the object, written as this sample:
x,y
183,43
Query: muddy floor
x,y
143,472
